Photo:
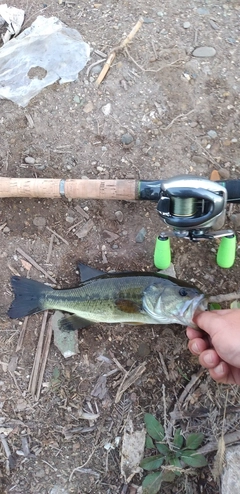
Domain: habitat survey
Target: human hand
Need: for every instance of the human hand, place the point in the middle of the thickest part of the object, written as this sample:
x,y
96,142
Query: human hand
x,y
218,345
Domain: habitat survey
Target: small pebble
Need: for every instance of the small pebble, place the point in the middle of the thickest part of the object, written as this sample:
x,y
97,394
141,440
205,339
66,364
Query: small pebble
x,y
126,139
212,134
115,246
224,173
39,221
119,216
235,218
204,52
76,99
106,109
6,229
143,350
97,69
29,160
148,20
202,11
186,25
69,219
141,235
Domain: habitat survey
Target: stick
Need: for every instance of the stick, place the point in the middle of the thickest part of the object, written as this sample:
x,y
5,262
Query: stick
x,y
44,356
113,53
224,297
35,264
125,190
22,334
37,360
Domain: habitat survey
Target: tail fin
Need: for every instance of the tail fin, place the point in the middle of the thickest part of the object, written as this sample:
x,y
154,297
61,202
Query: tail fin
x,y
29,297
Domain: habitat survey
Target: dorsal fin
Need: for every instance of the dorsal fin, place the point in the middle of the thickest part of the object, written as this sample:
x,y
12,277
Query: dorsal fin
x,y
87,273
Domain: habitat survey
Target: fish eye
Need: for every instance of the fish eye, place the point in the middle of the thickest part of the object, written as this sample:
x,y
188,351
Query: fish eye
x,y
183,292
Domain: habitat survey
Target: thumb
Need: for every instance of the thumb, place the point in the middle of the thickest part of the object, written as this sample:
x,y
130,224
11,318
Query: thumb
x,y
210,322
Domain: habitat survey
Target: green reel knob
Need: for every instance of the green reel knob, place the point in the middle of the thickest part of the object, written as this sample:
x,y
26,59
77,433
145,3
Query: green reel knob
x,y
227,252
162,253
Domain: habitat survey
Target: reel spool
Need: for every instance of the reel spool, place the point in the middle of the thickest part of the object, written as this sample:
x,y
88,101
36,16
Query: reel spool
x,y
192,206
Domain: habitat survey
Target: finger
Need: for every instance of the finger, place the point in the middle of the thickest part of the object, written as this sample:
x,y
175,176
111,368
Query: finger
x,y
221,373
210,321
209,358
197,346
194,333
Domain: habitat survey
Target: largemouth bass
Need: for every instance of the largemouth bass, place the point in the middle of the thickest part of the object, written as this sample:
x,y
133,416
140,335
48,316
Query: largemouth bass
x,y
131,298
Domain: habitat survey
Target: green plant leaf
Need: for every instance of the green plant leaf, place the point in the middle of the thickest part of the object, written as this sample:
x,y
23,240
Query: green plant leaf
x,y
149,444
235,304
152,483
175,462
214,306
193,459
152,462
154,428
194,440
162,448
168,476
178,438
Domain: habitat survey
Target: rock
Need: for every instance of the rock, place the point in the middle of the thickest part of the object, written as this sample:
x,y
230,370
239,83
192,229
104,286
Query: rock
x,y
235,218
96,69
110,236
204,52
65,341
141,235
230,479
39,221
6,229
186,25
29,160
76,99
202,11
88,107
126,139
84,231
119,216
212,134
106,109
224,173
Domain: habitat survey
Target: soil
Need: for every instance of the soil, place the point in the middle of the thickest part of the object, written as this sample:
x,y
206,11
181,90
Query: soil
x,y
167,100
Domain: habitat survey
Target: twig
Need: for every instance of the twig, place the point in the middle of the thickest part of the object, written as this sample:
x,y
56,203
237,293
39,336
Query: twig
x,y
36,364
35,264
57,235
166,429
44,357
230,438
50,248
22,334
164,365
98,62
224,297
182,115
113,53
168,65
128,381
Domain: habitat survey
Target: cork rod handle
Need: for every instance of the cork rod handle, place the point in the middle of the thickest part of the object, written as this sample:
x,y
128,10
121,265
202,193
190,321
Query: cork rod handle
x,y
71,188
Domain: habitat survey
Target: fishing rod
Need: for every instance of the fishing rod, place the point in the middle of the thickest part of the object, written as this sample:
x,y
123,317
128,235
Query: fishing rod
x,y
194,207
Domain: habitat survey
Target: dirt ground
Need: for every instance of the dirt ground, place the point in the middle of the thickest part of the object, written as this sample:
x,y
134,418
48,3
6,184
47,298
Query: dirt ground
x,y
167,101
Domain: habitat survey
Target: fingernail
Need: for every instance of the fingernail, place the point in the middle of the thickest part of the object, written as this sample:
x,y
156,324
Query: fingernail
x,y
219,369
195,348
208,359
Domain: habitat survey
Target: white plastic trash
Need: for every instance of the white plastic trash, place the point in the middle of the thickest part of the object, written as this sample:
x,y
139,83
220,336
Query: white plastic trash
x,y
48,44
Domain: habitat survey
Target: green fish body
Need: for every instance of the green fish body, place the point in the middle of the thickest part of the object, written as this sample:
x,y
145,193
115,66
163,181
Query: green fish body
x,y
131,298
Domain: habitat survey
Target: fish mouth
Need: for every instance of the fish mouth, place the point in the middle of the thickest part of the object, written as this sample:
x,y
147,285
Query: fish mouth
x,y
195,304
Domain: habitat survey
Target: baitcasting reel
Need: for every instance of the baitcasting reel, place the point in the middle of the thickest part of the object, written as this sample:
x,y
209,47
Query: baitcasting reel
x,y
195,208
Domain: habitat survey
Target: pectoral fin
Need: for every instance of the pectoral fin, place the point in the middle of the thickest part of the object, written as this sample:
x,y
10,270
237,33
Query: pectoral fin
x,y
72,323
128,306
